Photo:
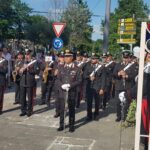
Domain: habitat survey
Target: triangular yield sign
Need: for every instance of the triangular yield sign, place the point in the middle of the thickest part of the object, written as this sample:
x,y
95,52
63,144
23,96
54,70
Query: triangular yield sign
x,y
58,28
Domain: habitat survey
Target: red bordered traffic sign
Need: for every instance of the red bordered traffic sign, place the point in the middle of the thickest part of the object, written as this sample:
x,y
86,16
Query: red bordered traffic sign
x,y
58,28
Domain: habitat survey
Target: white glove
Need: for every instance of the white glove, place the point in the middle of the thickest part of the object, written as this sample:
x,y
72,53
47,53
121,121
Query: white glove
x,y
122,97
147,69
65,87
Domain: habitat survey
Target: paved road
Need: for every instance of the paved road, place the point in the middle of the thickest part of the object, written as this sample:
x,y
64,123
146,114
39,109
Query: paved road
x,y
39,132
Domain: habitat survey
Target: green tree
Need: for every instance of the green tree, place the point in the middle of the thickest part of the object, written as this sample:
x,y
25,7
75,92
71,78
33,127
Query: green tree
x,y
39,30
97,46
5,15
126,9
21,15
13,16
77,16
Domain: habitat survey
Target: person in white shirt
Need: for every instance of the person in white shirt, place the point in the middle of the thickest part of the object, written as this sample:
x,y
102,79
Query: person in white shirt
x,y
7,56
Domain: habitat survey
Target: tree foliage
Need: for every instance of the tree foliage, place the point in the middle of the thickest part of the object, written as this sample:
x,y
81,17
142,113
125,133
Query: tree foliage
x,y
77,16
39,30
126,9
13,16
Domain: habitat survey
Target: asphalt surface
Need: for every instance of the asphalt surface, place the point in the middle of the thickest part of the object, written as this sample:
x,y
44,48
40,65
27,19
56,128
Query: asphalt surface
x,y
39,132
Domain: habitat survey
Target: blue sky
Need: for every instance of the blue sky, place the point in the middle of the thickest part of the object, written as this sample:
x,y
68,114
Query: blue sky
x,y
96,6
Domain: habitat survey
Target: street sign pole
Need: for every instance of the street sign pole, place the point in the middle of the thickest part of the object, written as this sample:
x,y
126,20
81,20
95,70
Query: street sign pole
x,y
140,87
131,47
106,27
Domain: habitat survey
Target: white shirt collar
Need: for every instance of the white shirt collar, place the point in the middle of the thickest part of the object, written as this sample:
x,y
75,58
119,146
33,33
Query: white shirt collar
x,y
69,65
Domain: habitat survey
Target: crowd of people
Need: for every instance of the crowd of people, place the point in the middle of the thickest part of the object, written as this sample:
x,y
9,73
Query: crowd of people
x,y
74,77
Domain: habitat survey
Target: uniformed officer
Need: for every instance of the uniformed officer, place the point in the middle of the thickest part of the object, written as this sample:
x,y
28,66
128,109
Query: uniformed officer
x,y
47,80
16,76
84,82
109,66
79,62
43,85
3,72
27,84
58,66
145,112
124,75
69,77
96,76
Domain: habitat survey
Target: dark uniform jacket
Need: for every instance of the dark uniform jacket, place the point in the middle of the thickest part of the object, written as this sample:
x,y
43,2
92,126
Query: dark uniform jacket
x,y
28,77
100,77
146,88
57,66
84,70
3,72
129,82
109,73
69,75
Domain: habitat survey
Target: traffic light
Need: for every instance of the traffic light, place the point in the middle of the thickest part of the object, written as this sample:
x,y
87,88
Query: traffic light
x,y
148,37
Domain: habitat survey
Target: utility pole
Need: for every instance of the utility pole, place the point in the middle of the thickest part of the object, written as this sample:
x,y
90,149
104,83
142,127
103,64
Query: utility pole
x,y
106,26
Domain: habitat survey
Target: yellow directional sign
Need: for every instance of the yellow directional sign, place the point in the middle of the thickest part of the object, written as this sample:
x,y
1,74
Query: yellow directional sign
x,y
127,28
127,20
127,24
127,32
126,41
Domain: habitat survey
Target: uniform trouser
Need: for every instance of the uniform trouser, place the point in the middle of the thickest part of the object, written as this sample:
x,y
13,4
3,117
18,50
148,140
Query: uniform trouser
x,y
43,92
17,92
122,108
79,96
71,108
27,107
84,89
34,90
57,102
1,97
49,90
92,94
107,95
